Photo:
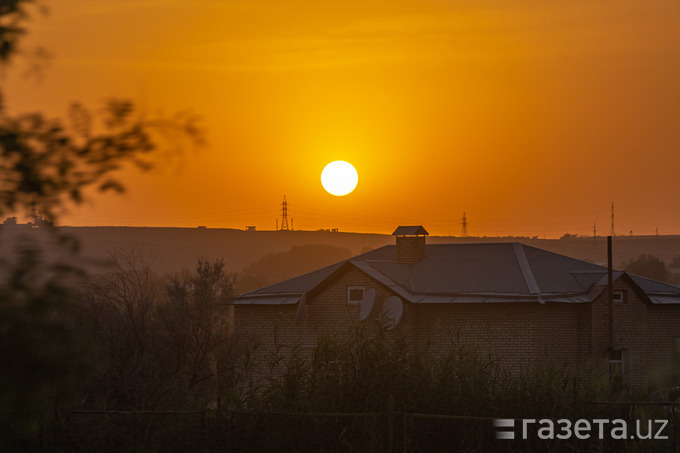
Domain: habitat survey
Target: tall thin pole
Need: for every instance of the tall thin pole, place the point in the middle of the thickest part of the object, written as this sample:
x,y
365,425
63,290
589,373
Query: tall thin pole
x,y
464,229
613,219
657,242
610,291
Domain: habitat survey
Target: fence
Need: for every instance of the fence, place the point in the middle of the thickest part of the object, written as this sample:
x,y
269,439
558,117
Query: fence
x,y
221,430
224,430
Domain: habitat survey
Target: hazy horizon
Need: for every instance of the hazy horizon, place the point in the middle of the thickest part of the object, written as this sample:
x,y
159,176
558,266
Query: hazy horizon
x,y
530,117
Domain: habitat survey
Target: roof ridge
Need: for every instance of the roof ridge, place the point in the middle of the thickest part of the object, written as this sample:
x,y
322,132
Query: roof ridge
x,y
525,267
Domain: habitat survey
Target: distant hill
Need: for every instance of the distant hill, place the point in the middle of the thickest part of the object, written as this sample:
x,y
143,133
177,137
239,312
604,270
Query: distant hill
x,y
279,266
174,249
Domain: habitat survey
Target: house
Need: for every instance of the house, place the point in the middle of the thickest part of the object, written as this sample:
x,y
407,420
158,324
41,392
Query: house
x,y
522,304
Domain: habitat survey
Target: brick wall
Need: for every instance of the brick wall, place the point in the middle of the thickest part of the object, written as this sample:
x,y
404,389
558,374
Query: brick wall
x,y
326,312
645,331
273,328
410,249
517,334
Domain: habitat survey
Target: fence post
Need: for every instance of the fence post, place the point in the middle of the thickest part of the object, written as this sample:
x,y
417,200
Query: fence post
x,y
134,431
675,434
55,425
390,425
375,433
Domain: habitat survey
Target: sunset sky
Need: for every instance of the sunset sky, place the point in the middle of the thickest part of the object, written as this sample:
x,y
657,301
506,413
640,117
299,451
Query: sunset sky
x,y
530,116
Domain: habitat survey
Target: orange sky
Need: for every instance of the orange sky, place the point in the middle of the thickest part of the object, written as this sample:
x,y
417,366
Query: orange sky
x,y
531,116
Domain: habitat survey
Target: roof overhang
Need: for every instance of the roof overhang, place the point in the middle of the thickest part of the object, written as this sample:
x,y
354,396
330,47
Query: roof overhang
x,y
273,299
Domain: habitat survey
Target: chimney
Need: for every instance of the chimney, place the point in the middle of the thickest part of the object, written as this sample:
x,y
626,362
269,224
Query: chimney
x,y
410,243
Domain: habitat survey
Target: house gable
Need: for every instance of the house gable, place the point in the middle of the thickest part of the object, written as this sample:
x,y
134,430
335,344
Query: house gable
x,y
324,310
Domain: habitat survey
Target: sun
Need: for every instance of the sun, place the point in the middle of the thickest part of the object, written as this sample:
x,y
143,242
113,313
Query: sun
x,y
339,178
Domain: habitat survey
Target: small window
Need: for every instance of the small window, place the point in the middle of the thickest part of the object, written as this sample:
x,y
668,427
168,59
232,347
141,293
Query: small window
x,y
615,363
675,358
618,366
619,297
355,294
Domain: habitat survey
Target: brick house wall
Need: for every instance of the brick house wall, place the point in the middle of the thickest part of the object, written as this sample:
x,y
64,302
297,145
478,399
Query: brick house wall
x,y
519,335
326,312
644,331
273,327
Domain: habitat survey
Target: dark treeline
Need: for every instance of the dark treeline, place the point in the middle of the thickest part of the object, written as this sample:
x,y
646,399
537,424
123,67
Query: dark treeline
x,y
650,266
161,342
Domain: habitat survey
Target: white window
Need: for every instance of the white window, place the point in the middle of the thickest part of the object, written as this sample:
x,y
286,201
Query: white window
x,y
618,365
355,294
619,297
675,357
615,363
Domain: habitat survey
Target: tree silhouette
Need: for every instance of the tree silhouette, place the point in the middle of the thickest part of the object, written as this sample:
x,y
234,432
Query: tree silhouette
x,y
675,264
648,266
45,163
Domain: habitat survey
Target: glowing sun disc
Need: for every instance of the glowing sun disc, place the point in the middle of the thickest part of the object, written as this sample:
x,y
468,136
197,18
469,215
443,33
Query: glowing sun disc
x,y
339,178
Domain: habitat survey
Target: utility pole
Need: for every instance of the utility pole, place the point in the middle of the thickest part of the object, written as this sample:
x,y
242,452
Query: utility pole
x,y
612,235
657,242
610,292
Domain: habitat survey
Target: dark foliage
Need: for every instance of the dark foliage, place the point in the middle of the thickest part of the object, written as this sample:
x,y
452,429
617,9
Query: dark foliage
x,y
648,266
41,360
159,348
45,163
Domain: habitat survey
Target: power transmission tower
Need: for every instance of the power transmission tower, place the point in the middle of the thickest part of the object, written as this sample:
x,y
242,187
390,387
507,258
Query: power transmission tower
x,y
284,214
464,230
594,230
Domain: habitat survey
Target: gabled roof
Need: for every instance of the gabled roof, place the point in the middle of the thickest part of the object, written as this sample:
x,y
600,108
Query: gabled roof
x,y
457,273
414,230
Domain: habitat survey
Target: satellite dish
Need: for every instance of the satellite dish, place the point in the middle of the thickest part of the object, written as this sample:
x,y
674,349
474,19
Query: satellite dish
x,y
392,312
366,304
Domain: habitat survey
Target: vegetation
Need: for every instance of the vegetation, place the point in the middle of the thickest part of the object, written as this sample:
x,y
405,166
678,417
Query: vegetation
x,y
46,163
163,343
648,266
368,389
